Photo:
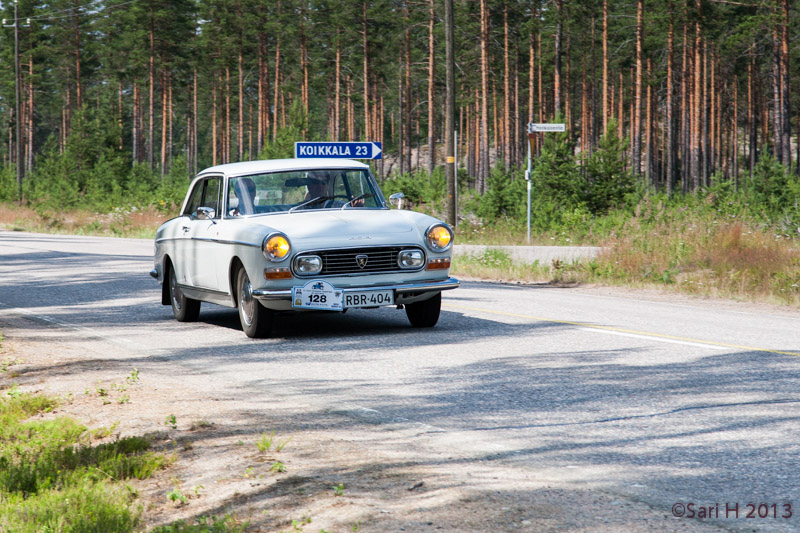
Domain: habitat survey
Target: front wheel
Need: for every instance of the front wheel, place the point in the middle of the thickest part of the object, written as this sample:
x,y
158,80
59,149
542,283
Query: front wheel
x,y
185,309
425,314
255,318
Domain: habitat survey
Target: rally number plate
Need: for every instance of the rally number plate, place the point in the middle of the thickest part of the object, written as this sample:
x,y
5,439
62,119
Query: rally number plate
x,y
317,294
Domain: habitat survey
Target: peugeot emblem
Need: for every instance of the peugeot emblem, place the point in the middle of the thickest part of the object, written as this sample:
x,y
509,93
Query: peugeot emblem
x,y
361,260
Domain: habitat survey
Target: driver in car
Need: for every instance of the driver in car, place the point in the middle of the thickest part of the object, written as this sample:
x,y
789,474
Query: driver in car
x,y
318,186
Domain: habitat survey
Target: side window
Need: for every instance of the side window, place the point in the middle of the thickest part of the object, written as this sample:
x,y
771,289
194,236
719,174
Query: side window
x,y
211,198
340,188
195,199
206,193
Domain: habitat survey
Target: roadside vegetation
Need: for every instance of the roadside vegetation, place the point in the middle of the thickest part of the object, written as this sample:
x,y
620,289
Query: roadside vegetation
x,y
54,476
53,479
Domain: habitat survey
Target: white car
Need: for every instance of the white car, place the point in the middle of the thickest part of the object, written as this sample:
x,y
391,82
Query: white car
x,y
302,235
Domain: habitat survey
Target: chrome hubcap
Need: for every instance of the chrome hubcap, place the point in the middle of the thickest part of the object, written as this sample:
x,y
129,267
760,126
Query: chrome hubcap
x,y
174,290
246,301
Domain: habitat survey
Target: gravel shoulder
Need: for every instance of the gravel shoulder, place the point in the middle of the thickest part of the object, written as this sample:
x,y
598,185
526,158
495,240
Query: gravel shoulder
x,y
343,472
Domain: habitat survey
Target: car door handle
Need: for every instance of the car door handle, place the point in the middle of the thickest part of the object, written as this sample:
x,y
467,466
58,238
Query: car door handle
x,y
185,228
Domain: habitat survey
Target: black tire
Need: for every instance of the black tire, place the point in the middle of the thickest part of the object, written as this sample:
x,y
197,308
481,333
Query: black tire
x,y
425,314
255,318
185,309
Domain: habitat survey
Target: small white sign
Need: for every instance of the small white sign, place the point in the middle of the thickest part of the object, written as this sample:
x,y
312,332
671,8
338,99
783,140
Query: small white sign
x,y
534,128
317,294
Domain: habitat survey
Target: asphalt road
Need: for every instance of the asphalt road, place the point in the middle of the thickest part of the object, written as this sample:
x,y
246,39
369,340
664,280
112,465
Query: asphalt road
x,y
657,400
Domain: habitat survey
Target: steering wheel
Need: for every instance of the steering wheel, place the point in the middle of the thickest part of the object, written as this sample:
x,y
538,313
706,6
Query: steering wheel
x,y
331,202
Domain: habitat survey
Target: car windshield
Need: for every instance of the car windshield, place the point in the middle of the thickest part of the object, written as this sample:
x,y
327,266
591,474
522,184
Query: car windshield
x,y
294,191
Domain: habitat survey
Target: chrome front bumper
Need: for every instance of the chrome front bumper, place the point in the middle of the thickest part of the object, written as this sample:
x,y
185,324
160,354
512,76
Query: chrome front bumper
x,y
404,292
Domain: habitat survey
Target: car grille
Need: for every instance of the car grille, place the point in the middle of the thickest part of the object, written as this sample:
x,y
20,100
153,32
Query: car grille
x,y
345,262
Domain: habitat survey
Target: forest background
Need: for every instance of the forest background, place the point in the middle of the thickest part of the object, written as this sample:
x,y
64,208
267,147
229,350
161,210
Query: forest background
x,y
679,114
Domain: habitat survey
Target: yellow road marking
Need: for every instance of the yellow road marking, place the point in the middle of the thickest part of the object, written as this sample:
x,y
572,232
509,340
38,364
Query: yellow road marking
x,y
618,330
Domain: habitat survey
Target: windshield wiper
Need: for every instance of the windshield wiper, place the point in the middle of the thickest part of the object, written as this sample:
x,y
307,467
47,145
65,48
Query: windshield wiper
x,y
363,196
316,200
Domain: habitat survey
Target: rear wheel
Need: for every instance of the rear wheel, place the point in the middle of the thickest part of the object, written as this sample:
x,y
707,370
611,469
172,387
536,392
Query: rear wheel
x,y
185,309
255,318
425,314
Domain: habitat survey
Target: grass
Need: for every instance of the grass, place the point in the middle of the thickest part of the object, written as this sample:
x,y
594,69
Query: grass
x,y
132,222
52,479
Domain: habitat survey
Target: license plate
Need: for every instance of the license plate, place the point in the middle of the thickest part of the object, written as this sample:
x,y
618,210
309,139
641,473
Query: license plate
x,y
317,294
368,298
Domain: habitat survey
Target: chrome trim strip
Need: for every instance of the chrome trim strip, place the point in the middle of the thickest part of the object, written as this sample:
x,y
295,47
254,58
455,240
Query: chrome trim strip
x,y
202,290
424,286
220,241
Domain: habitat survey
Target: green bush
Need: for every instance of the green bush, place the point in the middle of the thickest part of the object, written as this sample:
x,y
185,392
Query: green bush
x,y
609,183
8,184
420,188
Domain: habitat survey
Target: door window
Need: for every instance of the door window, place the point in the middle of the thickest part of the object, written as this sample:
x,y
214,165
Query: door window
x,y
206,193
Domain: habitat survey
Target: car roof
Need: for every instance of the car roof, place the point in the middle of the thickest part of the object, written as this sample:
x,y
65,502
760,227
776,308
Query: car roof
x,y
272,165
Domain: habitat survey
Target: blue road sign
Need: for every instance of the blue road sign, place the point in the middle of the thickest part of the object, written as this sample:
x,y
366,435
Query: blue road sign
x,y
340,150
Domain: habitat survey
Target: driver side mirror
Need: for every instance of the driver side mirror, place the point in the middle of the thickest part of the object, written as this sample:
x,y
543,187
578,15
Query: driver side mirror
x,y
397,199
204,213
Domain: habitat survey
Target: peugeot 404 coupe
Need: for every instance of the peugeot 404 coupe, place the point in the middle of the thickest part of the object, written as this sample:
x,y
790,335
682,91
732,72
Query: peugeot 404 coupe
x,y
299,235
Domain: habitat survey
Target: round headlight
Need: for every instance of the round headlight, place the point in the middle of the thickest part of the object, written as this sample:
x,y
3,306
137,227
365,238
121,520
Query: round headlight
x,y
410,258
439,237
308,264
277,247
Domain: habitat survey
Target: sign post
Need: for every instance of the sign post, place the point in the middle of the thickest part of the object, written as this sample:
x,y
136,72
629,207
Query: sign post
x,y
533,129
338,150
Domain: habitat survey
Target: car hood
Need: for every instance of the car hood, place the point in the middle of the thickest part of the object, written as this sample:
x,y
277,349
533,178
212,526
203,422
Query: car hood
x,y
349,227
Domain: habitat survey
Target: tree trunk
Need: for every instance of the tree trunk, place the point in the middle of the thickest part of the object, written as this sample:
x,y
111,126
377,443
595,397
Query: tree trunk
x,y
694,155
669,122
621,110
407,120
636,119
240,125
735,136
605,66
31,108
584,113
135,137
785,84
337,89
367,133
77,34
648,133
214,91
506,92
163,123
557,59
151,103
276,100
194,125
712,109
483,155
451,164
751,113
777,108
431,87
531,77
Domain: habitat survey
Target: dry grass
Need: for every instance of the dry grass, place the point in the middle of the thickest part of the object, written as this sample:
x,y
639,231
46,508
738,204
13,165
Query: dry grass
x,y
717,259
730,260
141,223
